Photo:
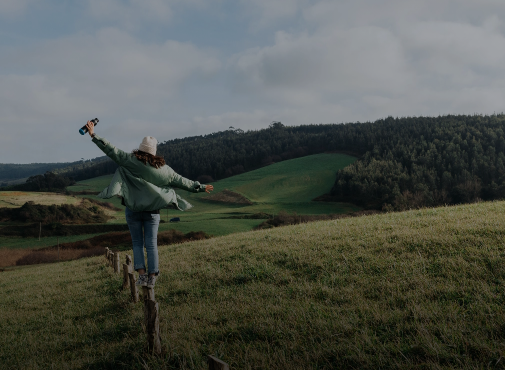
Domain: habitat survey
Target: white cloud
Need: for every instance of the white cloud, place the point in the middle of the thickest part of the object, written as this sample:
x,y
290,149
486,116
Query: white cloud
x,y
108,74
264,13
355,65
12,7
131,12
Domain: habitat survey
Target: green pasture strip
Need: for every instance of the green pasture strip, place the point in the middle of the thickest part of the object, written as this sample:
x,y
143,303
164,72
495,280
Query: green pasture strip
x,y
418,289
296,180
95,184
34,243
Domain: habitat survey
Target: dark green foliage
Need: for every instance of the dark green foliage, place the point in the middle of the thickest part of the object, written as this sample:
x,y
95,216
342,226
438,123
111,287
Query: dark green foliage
x,y
417,162
47,182
53,214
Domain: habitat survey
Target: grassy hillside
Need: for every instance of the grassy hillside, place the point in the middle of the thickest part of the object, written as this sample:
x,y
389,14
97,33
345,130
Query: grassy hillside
x,y
415,290
294,181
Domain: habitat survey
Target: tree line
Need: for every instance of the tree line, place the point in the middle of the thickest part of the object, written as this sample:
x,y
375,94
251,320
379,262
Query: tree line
x,y
46,182
403,162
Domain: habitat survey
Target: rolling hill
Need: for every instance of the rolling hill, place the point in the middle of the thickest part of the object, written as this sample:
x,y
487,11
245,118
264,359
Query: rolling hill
x,y
410,290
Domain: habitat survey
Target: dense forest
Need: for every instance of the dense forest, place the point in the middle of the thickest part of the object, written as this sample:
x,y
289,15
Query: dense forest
x,y
403,162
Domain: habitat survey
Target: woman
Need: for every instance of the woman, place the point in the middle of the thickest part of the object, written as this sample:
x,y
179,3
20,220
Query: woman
x,y
145,183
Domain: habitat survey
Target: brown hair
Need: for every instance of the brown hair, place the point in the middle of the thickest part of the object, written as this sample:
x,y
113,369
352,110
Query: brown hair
x,y
153,160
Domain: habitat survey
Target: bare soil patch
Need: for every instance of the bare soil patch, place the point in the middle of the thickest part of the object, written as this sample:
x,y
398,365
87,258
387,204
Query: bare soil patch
x,y
94,246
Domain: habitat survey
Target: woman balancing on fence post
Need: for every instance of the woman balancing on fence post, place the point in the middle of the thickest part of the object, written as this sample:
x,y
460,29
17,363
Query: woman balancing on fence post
x,y
145,183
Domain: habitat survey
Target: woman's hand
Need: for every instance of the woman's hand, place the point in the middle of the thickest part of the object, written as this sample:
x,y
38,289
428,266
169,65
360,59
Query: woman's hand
x,y
209,188
91,128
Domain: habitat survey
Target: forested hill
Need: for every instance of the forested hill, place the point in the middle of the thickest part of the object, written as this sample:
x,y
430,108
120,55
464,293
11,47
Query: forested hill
x,y
404,162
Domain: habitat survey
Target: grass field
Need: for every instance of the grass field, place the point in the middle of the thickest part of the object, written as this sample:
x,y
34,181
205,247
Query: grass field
x,y
422,289
286,186
14,199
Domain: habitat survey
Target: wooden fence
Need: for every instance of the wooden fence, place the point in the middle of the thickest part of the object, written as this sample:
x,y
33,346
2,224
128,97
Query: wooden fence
x,y
151,307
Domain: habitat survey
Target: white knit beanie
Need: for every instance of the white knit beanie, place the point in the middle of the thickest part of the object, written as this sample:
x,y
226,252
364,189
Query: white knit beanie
x,y
148,145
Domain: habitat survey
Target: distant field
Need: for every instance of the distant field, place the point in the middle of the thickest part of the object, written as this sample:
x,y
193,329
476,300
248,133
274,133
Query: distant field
x,y
295,181
422,289
14,199
286,186
94,184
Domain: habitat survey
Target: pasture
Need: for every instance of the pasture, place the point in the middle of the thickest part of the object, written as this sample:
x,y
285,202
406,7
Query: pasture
x,y
422,289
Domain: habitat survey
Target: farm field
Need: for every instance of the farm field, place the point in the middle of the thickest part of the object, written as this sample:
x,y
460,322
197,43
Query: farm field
x,y
14,199
417,289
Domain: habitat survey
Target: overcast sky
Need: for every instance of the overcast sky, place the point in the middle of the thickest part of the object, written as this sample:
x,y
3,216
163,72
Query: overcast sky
x,y
176,68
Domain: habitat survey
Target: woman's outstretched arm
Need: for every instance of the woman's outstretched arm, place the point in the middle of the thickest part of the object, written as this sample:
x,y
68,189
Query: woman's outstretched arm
x,y
117,155
193,186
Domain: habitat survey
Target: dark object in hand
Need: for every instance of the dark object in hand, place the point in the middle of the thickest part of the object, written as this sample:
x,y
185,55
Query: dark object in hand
x,y
84,129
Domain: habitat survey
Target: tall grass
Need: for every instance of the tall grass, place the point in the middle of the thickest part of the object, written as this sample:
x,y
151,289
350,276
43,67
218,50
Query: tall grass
x,y
415,290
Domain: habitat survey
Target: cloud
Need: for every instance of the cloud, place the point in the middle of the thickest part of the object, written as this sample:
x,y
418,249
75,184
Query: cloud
x,y
131,12
365,67
357,60
106,70
10,8
265,12
109,74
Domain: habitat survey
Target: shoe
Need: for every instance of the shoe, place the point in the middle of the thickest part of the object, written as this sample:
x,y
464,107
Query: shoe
x,y
151,281
142,280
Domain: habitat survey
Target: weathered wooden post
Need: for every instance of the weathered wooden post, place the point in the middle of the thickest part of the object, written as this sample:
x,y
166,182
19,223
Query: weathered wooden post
x,y
107,253
217,364
152,320
127,268
117,260
133,287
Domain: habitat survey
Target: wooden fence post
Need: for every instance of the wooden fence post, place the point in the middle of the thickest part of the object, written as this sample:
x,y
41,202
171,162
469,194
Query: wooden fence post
x,y
117,260
217,364
126,278
127,268
133,287
107,253
152,320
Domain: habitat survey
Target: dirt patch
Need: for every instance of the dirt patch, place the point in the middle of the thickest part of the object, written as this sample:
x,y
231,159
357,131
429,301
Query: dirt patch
x,y
228,196
8,257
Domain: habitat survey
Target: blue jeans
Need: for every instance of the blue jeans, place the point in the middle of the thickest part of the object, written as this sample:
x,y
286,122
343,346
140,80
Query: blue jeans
x,y
149,237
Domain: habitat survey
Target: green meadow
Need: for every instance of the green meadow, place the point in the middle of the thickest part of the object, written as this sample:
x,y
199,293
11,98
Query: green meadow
x,y
422,289
285,186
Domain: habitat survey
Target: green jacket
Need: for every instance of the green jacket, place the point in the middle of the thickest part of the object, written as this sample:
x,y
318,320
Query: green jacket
x,y
143,187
